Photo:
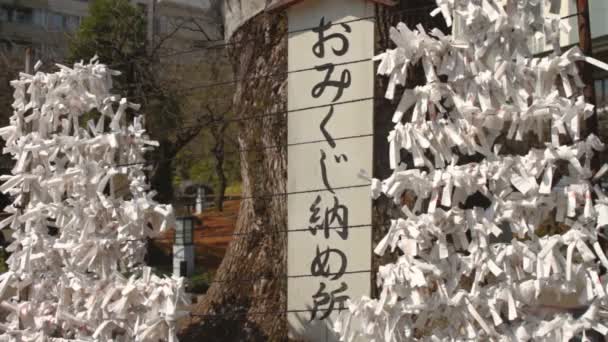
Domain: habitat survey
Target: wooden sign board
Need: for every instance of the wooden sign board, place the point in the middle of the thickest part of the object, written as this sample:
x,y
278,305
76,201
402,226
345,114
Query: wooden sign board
x,y
330,127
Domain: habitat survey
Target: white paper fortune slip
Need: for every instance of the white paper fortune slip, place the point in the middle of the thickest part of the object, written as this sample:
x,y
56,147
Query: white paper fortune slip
x,y
72,284
495,245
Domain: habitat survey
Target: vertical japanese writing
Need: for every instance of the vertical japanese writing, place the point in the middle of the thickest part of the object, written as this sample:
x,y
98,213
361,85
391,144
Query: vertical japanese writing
x,y
322,298
338,213
319,47
340,85
329,137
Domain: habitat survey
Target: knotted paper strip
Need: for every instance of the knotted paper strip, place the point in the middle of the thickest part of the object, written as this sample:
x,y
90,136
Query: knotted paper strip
x,y
523,261
87,281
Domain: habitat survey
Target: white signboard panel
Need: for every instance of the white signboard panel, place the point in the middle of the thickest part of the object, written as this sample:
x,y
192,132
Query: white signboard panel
x,y
330,102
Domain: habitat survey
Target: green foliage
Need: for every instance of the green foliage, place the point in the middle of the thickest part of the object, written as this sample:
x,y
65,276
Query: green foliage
x,y
199,283
203,171
115,31
235,189
199,167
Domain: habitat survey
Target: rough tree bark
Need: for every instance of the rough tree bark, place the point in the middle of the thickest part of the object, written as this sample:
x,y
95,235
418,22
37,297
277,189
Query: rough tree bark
x,y
219,155
258,258
247,299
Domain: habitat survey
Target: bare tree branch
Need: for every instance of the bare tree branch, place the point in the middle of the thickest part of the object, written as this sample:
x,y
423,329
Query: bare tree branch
x,y
164,38
200,29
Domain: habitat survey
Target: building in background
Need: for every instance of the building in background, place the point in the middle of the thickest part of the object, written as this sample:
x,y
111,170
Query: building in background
x,y
41,25
46,26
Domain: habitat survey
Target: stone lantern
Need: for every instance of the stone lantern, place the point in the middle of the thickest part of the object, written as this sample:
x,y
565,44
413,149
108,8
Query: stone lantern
x,y
183,246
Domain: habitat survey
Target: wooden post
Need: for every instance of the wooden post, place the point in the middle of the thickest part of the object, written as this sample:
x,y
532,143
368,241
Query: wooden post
x,y
28,60
586,71
24,293
584,33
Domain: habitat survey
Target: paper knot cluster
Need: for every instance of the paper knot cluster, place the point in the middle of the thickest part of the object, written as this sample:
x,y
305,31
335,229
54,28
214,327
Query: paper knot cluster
x,y
495,245
76,266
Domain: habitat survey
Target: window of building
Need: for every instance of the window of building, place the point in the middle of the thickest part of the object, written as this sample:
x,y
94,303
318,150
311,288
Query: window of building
x,y
24,15
5,14
39,18
71,22
59,22
54,21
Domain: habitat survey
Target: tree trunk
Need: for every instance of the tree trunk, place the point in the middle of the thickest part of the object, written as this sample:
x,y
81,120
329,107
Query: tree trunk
x,y
219,154
247,300
258,259
222,182
162,176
